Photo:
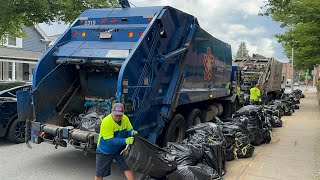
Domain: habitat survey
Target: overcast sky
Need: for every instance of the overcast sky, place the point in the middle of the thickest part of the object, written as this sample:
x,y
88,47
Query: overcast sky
x,y
231,21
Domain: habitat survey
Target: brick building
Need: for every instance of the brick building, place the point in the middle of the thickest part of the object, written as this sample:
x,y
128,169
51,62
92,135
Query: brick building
x,y
287,70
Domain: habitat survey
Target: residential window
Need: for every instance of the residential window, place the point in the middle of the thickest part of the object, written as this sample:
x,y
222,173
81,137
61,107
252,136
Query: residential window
x,y
12,41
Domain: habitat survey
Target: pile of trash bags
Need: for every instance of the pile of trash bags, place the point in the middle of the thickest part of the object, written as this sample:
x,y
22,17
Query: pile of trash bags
x,y
207,147
200,156
288,103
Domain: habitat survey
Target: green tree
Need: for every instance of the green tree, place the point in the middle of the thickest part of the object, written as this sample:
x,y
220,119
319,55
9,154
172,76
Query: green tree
x,y
242,51
18,13
301,19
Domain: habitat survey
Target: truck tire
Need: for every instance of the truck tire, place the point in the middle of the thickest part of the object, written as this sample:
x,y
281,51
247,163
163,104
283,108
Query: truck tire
x,y
176,130
194,118
16,133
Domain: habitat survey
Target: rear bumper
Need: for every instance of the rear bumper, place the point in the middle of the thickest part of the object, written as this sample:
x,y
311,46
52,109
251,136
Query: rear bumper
x,y
59,136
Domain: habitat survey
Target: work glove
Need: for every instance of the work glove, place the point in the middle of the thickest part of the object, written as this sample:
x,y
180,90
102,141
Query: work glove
x,y
129,140
133,133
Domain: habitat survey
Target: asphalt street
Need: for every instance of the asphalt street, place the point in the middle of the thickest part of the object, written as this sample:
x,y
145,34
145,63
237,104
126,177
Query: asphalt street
x,y
43,161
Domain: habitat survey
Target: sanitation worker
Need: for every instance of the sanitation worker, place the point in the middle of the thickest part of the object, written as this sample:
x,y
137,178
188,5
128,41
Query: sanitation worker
x,y
255,95
115,132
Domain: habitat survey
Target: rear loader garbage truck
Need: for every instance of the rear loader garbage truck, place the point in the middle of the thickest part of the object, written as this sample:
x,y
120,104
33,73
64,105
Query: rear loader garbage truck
x,y
267,72
168,72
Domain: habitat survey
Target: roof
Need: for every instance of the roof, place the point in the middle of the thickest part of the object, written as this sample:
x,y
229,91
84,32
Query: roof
x,y
42,33
14,54
53,39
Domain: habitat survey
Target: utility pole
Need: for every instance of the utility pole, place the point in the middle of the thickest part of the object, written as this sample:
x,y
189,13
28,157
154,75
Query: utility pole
x,y
292,81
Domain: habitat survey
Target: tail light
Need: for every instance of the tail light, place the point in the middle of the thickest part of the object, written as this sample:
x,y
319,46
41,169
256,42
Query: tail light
x,y
130,34
114,20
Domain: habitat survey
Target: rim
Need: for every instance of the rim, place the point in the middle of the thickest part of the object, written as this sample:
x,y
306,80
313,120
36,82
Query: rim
x,y
19,131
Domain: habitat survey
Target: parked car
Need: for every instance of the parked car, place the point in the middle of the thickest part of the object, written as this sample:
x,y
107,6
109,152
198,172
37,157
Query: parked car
x,y
296,84
10,126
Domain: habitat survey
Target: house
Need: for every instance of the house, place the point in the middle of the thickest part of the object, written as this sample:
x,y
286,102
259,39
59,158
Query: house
x,y
18,56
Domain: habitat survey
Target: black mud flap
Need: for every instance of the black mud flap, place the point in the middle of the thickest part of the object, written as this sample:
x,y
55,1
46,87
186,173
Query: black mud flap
x,y
24,105
24,108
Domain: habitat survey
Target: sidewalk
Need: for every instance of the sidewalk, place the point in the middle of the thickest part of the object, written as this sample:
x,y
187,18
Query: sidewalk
x,y
293,153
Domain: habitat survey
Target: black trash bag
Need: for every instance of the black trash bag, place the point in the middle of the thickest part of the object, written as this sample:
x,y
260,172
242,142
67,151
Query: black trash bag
x,y
199,172
230,130
183,154
241,120
204,133
302,96
277,121
272,121
296,106
266,135
149,159
255,134
245,152
242,139
249,110
288,111
230,152
208,128
258,137
228,135
91,122
214,156
145,177
98,109
255,121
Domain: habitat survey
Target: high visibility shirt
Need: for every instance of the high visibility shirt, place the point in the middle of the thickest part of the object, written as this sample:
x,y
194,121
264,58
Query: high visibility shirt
x,y
228,87
113,136
238,91
255,94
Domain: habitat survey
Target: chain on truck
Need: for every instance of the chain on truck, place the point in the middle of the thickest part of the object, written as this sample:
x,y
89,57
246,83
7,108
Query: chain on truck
x,y
168,72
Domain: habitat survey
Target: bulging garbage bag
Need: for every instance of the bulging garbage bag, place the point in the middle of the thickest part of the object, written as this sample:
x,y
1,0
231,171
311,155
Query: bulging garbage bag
x,y
198,172
214,156
149,159
183,154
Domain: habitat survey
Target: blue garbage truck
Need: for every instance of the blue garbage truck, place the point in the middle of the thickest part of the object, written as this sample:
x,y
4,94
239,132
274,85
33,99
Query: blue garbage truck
x,y
169,73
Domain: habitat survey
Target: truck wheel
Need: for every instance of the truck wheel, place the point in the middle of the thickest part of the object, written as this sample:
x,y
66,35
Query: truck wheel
x,y
194,118
16,133
176,130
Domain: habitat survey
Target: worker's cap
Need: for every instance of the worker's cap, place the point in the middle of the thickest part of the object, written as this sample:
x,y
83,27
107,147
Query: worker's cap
x,y
117,109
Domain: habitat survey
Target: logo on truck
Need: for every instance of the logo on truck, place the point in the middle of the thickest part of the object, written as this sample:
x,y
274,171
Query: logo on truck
x,y
208,63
